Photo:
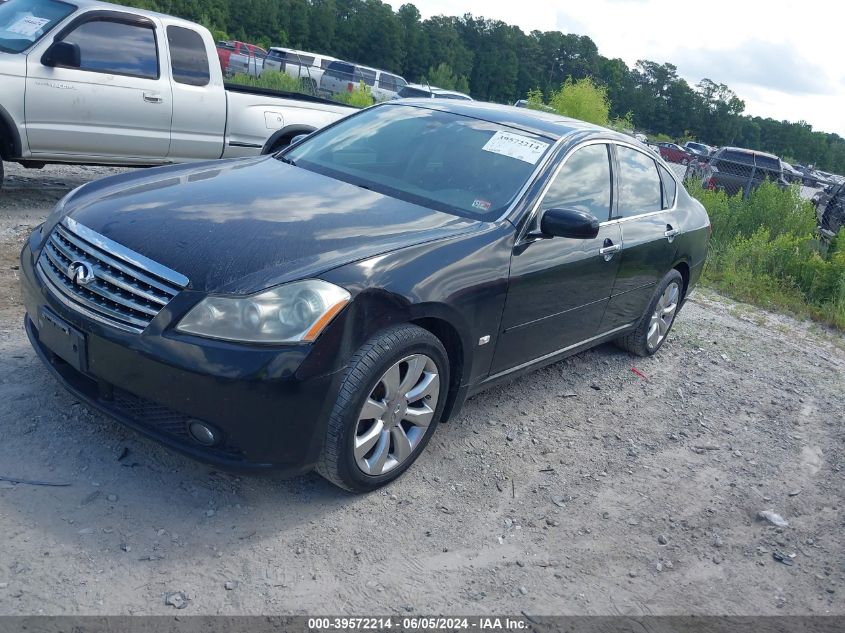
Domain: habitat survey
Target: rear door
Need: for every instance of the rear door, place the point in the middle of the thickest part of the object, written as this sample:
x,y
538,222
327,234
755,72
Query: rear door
x,y
644,215
559,287
199,100
117,105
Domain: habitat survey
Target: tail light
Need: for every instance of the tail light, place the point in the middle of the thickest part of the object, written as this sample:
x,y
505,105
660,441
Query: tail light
x,y
711,183
349,87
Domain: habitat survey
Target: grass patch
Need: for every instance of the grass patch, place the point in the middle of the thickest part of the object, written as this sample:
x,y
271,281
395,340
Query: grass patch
x,y
766,250
273,80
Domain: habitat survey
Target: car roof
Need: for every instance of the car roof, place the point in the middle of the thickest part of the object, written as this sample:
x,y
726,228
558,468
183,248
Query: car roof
x,y
553,126
745,150
285,49
437,90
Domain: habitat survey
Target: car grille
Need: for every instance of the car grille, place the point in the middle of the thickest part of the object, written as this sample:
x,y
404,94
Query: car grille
x,y
124,289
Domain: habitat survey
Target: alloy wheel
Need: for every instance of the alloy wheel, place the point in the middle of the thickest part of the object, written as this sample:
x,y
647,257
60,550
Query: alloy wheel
x,y
396,414
664,313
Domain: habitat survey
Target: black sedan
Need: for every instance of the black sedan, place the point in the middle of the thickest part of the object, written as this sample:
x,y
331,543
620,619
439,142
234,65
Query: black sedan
x,y
325,308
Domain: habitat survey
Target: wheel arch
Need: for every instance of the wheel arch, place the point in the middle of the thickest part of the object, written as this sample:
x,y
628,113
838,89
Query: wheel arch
x,y
448,335
10,140
683,267
286,133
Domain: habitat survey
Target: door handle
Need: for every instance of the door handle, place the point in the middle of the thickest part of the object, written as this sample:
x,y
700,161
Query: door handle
x,y
609,250
670,233
152,98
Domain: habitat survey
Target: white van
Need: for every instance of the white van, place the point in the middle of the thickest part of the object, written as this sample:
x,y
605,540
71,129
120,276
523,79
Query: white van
x,y
342,76
300,64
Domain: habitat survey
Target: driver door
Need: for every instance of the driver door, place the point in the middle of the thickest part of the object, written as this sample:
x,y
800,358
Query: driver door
x,y
559,287
116,105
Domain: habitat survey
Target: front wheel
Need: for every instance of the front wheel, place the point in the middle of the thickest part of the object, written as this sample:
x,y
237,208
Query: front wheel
x,y
658,318
389,404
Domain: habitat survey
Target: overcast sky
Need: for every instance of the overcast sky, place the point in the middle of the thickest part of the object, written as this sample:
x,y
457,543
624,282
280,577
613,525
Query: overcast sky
x,y
784,59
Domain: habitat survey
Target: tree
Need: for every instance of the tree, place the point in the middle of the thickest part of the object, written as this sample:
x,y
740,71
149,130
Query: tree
x,y
582,99
443,77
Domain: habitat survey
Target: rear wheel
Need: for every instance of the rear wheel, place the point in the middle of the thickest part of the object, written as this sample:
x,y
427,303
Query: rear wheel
x,y
658,318
390,402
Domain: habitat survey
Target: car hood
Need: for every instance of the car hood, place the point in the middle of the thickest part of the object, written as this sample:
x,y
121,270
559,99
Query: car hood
x,y
245,225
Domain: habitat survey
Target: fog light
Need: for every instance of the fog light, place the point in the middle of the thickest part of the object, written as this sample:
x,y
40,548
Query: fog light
x,y
203,433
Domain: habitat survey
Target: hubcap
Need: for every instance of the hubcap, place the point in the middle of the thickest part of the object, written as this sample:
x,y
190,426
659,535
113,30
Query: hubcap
x,y
664,313
396,414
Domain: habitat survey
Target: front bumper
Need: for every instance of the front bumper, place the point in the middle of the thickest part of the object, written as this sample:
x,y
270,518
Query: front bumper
x,y
269,415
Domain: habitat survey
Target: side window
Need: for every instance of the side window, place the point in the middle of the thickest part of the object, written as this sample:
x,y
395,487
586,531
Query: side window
x,y
306,60
640,189
366,75
340,70
670,187
188,58
389,82
324,64
583,183
116,48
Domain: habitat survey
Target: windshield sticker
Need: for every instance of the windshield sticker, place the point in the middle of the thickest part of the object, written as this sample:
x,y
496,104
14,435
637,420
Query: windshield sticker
x,y
484,205
28,25
516,146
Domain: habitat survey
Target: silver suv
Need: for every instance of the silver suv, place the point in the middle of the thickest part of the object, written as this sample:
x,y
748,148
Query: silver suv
x,y
341,76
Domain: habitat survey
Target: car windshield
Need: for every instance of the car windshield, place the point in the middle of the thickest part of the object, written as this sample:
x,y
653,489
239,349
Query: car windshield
x,y
436,159
24,22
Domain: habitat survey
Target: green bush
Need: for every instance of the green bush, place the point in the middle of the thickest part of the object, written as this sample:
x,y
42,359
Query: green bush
x,y
766,249
361,97
272,80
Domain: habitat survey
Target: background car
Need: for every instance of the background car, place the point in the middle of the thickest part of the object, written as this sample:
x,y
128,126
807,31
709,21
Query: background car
x,y
674,153
239,57
299,64
340,299
739,170
340,76
790,173
698,149
430,92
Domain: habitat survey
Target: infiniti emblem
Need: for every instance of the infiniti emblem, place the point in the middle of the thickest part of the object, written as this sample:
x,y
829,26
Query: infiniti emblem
x,y
81,273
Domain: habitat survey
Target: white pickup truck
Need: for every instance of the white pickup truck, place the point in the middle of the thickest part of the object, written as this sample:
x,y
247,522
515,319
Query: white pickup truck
x,y
95,83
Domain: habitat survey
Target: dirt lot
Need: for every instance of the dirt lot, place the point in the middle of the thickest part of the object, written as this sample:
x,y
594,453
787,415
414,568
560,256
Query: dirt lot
x,y
580,489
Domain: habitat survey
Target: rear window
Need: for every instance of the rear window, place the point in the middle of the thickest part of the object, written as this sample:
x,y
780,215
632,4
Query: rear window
x,y
188,58
670,187
366,75
640,188
408,91
340,70
745,158
768,162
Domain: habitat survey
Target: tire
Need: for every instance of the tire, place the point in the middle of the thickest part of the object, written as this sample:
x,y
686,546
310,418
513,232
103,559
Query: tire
x,y
366,390
639,341
2,177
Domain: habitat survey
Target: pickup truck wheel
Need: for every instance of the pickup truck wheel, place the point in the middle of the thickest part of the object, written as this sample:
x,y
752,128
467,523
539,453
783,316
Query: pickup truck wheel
x,y
657,319
389,404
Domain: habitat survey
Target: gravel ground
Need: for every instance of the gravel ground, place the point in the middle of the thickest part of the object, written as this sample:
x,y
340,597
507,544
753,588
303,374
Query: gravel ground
x,y
583,488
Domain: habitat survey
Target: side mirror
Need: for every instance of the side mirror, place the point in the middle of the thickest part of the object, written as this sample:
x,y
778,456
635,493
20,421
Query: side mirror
x,y
63,54
570,223
298,138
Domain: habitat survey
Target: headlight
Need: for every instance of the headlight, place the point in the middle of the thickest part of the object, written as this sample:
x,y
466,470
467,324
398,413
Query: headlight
x,y
292,313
